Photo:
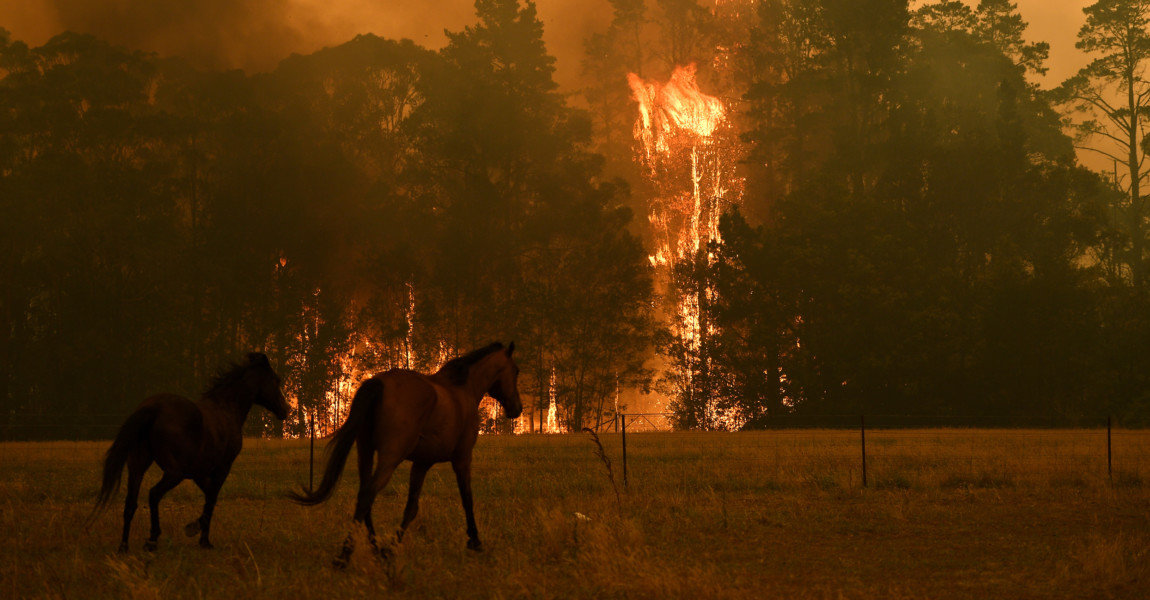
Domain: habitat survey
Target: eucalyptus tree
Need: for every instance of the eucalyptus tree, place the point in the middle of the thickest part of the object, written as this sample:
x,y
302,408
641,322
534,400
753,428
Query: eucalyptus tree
x,y
520,209
608,57
1001,25
86,175
922,252
1111,99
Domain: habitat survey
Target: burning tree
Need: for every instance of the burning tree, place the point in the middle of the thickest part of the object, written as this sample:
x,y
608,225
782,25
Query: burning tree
x,y
486,218
689,150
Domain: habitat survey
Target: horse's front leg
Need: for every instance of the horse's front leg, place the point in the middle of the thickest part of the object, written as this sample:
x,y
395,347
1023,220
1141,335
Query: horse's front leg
x,y
462,467
203,525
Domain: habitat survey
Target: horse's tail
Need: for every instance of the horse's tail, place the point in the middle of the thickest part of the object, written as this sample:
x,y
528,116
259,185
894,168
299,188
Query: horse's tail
x,y
360,415
137,425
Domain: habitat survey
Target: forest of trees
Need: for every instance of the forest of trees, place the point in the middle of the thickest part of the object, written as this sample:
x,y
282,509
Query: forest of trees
x,y
915,234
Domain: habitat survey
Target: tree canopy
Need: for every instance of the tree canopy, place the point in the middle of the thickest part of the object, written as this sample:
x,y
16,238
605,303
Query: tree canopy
x,y
909,231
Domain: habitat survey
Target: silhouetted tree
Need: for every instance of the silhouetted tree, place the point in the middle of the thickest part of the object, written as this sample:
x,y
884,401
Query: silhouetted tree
x,y
1111,96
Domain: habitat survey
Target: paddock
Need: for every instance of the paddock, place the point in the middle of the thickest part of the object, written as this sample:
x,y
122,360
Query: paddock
x,y
945,513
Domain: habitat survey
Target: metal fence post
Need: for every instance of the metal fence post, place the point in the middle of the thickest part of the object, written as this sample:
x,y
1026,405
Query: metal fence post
x,y
311,457
624,419
862,429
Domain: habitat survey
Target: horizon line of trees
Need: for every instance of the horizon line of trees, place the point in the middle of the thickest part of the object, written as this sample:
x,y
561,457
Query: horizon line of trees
x,y
916,235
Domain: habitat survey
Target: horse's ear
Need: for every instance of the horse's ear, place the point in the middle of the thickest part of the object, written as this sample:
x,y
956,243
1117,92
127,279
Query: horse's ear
x,y
258,359
510,348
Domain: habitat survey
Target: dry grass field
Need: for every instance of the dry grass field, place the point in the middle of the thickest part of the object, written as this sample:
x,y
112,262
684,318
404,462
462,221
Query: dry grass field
x,y
783,514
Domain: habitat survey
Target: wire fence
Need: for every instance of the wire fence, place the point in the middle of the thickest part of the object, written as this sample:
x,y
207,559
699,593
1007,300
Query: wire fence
x,y
827,453
894,451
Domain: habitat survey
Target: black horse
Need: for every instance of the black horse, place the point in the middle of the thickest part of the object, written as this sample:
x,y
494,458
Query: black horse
x,y
189,440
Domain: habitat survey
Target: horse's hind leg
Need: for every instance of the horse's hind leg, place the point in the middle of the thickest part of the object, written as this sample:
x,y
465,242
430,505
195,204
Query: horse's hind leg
x,y
138,464
166,483
366,457
369,487
418,474
365,454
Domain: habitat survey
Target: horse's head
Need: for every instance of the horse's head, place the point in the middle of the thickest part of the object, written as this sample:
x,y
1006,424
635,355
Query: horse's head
x,y
505,389
266,385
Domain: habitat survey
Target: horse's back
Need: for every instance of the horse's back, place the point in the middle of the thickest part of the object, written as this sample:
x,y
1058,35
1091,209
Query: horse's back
x,y
406,394
422,414
176,434
174,412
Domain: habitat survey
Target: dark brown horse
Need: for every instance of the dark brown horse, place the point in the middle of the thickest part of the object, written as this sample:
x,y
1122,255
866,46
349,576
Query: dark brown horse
x,y
189,440
404,415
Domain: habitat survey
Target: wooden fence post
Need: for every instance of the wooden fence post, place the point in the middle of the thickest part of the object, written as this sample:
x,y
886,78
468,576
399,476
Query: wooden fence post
x,y
862,429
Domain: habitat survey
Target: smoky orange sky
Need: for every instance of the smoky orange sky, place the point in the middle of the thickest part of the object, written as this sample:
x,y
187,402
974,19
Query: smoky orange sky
x,y
256,34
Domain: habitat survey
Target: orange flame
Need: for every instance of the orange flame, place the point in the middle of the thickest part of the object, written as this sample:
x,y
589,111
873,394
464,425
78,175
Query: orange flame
x,y
690,156
552,425
678,105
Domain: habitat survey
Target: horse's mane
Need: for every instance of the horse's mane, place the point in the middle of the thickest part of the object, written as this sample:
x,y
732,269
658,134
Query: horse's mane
x,y
225,377
231,373
456,369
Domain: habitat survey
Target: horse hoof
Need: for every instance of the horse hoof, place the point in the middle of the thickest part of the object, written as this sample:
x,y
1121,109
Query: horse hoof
x,y
123,549
475,545
150,545
193,528
342,558
206,545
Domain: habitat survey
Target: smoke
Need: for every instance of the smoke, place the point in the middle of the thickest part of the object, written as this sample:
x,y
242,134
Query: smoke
x,y
255,35
1055,23
1059,28
212,34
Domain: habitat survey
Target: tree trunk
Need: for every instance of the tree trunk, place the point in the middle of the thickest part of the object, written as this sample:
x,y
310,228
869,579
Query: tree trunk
x,y
1136,236
544,386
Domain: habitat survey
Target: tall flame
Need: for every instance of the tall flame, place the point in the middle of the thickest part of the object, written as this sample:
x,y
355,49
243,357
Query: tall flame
x,y
678,105
677,129
552,425
687,147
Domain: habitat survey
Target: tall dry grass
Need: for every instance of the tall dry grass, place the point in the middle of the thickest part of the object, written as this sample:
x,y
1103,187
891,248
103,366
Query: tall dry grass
x,y
946,514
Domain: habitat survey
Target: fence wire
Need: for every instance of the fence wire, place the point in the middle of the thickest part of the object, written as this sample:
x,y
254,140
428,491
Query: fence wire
x,y
947,458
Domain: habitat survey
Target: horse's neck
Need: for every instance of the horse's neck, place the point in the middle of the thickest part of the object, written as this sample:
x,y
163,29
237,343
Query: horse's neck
x,y
230,405
482,377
